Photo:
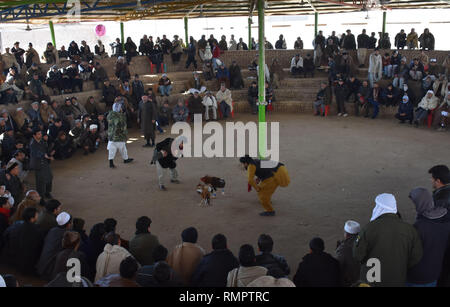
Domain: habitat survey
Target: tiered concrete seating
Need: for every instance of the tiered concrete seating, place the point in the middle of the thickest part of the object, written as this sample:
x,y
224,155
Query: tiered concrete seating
x,y
293,95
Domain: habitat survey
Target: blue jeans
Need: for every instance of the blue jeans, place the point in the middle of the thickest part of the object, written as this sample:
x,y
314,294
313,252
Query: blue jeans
x,y
398,82
431,284
225,109
372,79
376,107
214,63
165,89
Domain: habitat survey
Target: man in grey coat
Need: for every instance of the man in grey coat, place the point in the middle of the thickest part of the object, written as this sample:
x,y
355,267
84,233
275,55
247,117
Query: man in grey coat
x,y
147,115
40,163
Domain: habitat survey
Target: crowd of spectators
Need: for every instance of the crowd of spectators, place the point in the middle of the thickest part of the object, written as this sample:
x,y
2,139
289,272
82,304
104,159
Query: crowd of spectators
x,y
40,241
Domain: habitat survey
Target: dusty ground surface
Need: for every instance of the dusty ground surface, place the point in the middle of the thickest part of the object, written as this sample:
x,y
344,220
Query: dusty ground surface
x,y
337,167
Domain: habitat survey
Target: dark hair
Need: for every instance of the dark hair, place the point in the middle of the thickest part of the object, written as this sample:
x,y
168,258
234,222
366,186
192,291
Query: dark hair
x,y
246,159
78,224
3,200
10,281
112,238
128,267
276,272
36,130
247,255
189,235
110,224
17,152
317,245
219,241
440,172
160,253
52,205
29,213
265,243
97,232
70,239
162,271
142,224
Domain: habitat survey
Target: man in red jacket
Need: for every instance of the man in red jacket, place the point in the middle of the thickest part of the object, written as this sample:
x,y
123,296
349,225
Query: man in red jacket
x,y
216,54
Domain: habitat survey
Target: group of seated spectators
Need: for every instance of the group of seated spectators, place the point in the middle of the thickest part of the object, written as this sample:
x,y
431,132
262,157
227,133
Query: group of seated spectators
x,y
37,238
430,100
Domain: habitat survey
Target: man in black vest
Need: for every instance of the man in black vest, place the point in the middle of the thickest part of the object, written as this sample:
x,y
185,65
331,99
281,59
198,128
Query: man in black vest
x,y
164,159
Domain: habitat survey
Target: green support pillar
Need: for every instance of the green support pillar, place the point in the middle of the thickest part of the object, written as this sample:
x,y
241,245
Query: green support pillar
x,y
186,37
52,32
261,83
249,33
122,37
316,23
384,24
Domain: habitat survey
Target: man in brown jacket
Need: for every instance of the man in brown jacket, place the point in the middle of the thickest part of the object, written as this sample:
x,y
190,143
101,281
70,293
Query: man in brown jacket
x,y
186,256
32,199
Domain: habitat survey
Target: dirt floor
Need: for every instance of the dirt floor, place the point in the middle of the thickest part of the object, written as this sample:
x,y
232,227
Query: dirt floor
x,y
337,167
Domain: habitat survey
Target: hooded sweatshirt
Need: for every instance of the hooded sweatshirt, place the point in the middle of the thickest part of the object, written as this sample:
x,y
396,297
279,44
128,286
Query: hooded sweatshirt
x,y
429,103
433,225
242,276
109,260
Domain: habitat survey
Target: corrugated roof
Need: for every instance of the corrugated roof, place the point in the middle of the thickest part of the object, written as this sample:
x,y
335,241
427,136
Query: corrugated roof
x,y
95,10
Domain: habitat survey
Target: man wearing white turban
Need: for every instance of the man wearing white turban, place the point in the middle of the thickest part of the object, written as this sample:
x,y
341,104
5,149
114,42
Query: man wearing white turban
x,y
117,134
387,247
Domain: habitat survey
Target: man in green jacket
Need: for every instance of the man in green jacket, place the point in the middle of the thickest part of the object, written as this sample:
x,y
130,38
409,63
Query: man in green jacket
x,y
387,247
47,218
117,134
143,243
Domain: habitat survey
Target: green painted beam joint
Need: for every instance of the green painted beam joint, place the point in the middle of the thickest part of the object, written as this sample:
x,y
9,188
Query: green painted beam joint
x,y
52,32
250,34
122,37
186,37
316,23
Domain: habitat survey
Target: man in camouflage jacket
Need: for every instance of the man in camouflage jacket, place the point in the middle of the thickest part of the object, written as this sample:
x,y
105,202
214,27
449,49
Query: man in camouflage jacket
x,y
117,134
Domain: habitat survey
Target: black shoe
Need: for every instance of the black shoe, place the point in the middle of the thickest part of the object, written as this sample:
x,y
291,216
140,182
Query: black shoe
x,y
162,188
267,213
416,123
85,153
111,164
48,195
147,145
128,160
323,114
175,181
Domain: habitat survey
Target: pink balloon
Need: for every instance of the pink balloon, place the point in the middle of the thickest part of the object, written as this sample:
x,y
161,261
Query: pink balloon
x,y
100,30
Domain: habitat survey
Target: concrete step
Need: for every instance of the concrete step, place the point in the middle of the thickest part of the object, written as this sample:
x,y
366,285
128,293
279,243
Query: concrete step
x,y
307,107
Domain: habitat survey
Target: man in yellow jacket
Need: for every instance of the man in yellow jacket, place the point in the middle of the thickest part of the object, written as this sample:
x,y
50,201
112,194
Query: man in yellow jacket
x,y
267,181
